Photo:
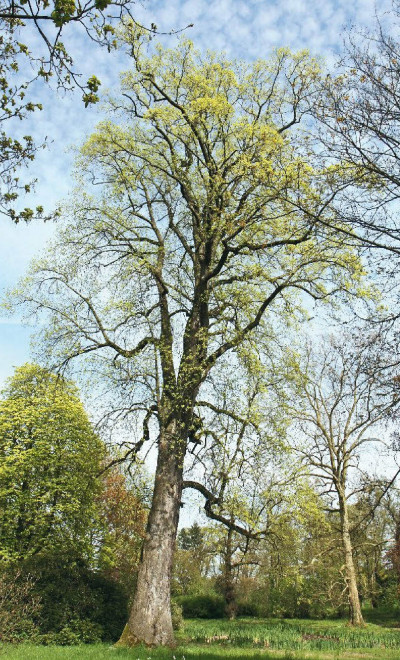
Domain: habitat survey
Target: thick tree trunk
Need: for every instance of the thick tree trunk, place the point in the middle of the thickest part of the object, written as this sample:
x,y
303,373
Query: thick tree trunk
x,y
356,617
150,619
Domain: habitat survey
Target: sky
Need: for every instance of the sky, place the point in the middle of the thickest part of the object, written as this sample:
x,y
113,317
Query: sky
x,y
244,29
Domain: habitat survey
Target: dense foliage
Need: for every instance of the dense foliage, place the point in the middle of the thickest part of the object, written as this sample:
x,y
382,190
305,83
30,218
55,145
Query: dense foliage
x,y
50,456
70,534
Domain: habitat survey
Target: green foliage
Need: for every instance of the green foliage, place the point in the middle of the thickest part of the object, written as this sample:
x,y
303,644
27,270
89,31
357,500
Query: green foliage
x,y
14,153
76,631
63,12
49,59
19,606
206,606
267,251
188,577
78,604
177,616
91,96
192,559
191,538
50,456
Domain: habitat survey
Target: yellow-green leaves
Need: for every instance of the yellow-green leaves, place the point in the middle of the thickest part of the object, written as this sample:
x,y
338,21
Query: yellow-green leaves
x,y
209,226
49,457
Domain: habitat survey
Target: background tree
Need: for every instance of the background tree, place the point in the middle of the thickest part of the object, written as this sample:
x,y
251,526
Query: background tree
x,y
122,521
192,538
346,392
361,110
193,558
49,459
293,571
70,535
299,566
206,228
241,434
239,448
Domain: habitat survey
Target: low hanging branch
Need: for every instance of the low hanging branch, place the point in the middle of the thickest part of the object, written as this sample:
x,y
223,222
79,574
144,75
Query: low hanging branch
x,y
212,500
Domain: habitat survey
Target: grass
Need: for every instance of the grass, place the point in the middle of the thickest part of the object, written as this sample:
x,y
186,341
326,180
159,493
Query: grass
x,y
292,635
246,639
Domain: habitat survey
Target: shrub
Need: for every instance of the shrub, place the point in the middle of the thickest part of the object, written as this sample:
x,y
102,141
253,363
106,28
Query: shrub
x,y
76,632
210,606
19,606
248,608
177,616
78,605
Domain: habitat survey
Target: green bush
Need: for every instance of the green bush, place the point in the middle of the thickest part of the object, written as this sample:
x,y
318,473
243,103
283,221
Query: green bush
x,y
210,606
264,602
19,606
78,605
177,616
76,632
248,608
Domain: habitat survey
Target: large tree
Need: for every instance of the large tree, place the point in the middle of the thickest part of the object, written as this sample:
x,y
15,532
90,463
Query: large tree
x,y
203,232
49,459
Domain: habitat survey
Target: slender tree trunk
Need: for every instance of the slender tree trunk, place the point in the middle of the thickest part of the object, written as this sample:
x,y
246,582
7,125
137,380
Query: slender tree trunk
x,y
228,585
356,617
396,553
150,619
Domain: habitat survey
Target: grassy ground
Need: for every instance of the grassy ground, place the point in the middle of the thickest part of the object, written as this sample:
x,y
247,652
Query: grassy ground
x,y
247,639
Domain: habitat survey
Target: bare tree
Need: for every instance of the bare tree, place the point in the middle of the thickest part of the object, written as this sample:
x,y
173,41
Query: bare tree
x,y
346,393
360,110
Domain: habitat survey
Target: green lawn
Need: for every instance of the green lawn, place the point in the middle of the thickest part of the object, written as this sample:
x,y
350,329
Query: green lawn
x,y
246,639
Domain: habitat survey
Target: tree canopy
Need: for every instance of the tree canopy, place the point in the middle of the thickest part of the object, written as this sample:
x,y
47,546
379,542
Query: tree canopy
x,y
49,459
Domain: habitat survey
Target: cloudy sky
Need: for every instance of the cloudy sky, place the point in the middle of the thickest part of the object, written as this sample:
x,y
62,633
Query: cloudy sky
x,y
245,29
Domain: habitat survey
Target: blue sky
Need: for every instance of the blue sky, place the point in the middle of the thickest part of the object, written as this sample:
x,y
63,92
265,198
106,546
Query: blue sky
x,y
244,29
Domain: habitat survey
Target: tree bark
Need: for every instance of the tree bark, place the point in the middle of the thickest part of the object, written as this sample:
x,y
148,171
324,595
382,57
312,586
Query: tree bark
x,y
150,619
356,617
396,552
229,590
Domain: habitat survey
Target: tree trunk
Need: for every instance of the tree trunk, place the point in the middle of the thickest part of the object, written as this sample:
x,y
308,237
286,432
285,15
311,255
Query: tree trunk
x,y
150,619
356,617
229,590
396,552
